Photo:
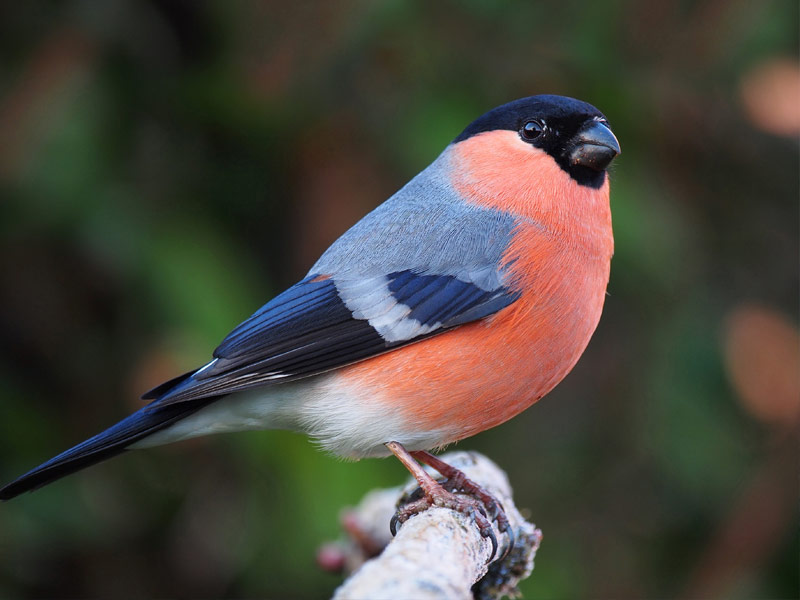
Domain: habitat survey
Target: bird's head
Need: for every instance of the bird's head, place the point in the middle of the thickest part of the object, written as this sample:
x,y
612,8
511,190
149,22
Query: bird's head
x,y
573,133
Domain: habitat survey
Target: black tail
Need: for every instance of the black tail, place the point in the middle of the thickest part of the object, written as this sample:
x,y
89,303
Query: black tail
x,y
111,442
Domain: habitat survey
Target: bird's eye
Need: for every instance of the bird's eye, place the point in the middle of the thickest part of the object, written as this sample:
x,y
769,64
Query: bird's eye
x,y
531,130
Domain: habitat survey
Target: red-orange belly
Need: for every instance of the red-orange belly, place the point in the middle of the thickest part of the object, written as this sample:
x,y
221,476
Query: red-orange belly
x,y
481,374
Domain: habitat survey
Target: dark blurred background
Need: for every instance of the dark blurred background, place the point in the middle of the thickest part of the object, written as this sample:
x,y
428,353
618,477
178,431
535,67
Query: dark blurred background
x,y
166,167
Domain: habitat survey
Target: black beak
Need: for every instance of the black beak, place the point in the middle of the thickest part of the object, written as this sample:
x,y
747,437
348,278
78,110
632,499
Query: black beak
x,y
594,146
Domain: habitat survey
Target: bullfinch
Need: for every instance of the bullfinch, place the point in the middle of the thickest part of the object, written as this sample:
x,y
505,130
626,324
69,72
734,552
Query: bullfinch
x,y
450,308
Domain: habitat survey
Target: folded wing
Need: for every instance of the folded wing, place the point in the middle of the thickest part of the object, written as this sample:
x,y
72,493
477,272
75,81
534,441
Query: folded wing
x,y
322,323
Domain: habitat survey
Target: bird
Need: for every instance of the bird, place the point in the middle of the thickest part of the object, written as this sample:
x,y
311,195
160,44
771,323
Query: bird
x,y
450,308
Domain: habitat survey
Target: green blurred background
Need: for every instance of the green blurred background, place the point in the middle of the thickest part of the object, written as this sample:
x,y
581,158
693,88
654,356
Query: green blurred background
x,y
167,167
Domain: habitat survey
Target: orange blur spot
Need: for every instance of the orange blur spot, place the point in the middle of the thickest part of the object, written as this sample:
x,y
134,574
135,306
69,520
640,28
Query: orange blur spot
x,y
770,93
762,351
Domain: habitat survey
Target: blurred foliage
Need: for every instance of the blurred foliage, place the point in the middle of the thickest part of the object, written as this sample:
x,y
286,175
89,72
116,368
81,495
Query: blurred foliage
x,y
166,167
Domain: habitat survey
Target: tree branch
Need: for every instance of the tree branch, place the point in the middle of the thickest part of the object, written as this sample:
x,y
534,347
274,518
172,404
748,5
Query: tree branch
x,y
436,554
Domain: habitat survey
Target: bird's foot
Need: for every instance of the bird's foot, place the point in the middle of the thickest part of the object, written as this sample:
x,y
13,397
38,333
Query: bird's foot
x,y
457,492
458,482
420,501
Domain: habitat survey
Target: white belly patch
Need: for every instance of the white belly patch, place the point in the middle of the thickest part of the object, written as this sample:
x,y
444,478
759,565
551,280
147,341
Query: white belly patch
x,y
341,418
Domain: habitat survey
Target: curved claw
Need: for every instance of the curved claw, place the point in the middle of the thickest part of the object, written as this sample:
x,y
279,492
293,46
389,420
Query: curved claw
x,y
511,541
393,524
492,538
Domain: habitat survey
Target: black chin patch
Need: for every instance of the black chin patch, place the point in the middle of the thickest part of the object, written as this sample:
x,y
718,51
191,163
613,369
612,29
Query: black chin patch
x,y
584,175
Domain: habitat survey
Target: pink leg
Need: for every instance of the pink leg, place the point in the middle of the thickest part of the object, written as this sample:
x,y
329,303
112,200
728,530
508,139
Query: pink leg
x,y
437,494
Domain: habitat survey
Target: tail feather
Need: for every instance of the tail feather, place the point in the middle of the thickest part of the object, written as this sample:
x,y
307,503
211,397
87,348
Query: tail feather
x,y
107,444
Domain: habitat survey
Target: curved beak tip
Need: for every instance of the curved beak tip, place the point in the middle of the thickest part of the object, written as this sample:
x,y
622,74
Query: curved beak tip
x,y
595,147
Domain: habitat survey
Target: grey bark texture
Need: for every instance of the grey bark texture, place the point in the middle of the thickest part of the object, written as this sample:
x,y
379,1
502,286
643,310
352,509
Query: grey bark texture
x,y
439,553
